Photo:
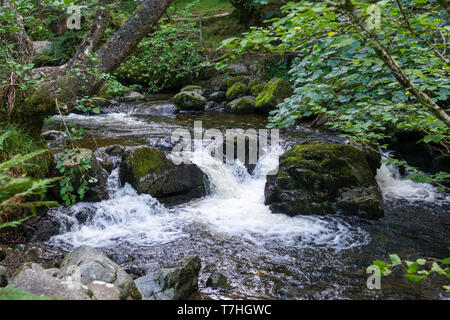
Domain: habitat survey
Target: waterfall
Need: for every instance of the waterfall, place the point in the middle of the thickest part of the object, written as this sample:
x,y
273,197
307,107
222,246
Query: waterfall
x,y
234,208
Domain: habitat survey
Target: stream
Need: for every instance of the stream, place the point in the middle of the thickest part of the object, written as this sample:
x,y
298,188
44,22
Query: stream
x,y
264,254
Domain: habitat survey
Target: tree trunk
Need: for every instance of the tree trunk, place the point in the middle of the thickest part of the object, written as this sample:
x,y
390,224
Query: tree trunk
x,y
67,87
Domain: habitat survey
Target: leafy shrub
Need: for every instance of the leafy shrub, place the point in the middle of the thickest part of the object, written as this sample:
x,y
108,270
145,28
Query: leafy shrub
x,y
166,58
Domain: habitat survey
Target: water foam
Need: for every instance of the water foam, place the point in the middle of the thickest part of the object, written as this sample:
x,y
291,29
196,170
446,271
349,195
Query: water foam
x,y
235,208
394,186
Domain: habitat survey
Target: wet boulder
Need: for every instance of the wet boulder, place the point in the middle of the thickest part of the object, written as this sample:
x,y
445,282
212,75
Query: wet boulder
x,y
176,281
189,100
320,178
85,264
41,229
274,92
242,105
149,171
237,90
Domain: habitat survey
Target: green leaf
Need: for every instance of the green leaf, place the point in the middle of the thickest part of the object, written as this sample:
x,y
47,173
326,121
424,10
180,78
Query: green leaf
x,y
395,259
413,277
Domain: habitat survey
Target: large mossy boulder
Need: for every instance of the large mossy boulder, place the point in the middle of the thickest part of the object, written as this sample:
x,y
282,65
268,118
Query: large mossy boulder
x,y
320,178
149,171
242,105
87,265
189,100
176,281
237,90
274,92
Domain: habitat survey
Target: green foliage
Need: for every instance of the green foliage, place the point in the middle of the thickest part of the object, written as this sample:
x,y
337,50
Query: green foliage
x,y
167,57
13,141
20,195
12,293
339,75
74,166
416,270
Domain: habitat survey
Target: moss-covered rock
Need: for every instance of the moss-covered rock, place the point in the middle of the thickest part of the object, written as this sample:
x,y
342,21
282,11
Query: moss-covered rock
x,y
237,90
189,100
320,178
109,91
230,81
149,171
274,92
193,88
241,105
256,89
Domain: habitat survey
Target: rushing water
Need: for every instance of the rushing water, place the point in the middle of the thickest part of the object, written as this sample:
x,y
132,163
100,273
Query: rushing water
x,y
264,254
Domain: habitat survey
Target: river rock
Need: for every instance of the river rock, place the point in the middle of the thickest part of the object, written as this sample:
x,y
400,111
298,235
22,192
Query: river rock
x,y
41,229
193,88
236,69
98,190
33,278
217,96
320,178
3,277
237,90
176,281
217,280
274,92
242,79
85,264
189,100
242,105
103,291
149,171
132,96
